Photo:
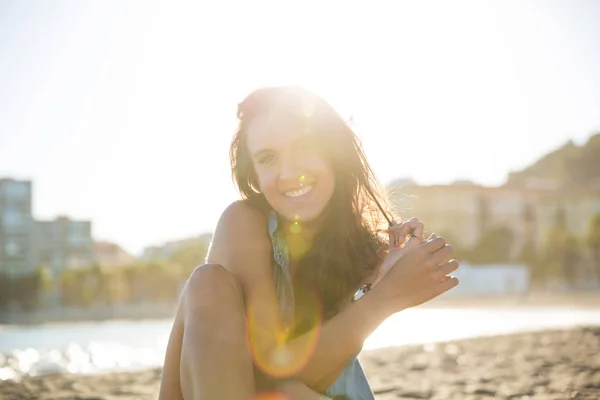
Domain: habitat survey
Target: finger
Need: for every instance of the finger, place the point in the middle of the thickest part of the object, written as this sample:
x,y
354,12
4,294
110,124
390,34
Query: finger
x,y
442,254
446,285
392,236
412,242
417,228
444,269
432,236
396,232
403,228
433,245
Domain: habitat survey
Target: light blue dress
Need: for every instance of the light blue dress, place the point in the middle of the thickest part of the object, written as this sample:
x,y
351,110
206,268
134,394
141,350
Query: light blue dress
x,y
352,381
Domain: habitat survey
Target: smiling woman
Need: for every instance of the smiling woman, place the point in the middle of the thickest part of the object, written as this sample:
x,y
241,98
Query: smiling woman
x,y
273,309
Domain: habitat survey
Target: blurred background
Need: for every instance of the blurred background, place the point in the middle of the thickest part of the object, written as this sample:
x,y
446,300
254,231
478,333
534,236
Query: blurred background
x,y
481,117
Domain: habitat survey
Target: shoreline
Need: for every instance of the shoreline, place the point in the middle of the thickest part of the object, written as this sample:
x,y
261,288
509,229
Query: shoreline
x,y
545,365
161,311
566,299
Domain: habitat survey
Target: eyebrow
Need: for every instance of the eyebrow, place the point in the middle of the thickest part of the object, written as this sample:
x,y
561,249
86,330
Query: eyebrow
x,y
261,152
297,141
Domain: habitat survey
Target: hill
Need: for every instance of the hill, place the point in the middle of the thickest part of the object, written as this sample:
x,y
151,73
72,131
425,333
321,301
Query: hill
x,y
569,166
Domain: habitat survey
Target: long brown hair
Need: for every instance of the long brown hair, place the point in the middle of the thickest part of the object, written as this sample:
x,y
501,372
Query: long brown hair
x,y
348,244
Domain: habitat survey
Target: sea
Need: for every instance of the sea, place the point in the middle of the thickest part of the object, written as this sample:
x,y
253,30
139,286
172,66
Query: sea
x,y
125,345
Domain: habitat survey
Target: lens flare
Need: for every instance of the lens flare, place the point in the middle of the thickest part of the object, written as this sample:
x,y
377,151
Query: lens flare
x,y
271,396
282,360
298,244
302,179
296,227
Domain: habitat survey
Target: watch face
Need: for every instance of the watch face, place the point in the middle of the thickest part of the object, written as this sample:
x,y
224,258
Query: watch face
x,y
358,294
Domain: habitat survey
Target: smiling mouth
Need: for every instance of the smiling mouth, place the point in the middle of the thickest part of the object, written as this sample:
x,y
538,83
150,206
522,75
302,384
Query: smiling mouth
x,y
299,192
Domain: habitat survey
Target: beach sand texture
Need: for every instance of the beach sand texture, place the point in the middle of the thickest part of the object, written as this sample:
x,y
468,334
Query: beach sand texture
x,y
547,365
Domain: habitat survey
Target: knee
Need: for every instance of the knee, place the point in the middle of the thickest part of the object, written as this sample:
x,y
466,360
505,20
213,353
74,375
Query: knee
x,y
212,287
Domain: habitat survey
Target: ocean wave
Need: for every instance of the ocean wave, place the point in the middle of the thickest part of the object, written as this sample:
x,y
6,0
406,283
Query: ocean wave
x,y
96,357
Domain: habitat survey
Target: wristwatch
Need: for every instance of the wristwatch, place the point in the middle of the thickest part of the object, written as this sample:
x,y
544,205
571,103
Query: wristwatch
x,y
362,291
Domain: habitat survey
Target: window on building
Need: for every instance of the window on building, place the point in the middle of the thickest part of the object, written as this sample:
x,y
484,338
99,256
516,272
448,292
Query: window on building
x,y
79,233
12,249
12,219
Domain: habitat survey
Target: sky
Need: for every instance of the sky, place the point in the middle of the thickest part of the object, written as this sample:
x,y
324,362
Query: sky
x,y
121,112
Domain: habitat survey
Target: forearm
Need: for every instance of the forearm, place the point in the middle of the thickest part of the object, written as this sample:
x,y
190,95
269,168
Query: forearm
x,y
330,378
338,340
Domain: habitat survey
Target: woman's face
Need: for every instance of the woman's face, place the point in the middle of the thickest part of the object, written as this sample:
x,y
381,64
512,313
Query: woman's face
x,y
292,172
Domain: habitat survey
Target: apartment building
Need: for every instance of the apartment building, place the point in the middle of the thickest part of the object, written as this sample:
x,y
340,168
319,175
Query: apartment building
x,y
26,244
465,211
63,243
16,223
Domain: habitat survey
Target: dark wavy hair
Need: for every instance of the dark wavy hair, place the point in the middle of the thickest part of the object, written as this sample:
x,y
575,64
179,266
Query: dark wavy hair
x,y
348,244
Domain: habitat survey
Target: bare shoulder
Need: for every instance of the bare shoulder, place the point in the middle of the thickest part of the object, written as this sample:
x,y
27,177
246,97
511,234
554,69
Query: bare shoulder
x,y
241,242
240,212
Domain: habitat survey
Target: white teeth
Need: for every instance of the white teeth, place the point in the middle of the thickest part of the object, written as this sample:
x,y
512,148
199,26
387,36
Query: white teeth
x,y
299,192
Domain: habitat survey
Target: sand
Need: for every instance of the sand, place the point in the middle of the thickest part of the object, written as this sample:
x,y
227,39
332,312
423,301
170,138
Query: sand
x,y
548,365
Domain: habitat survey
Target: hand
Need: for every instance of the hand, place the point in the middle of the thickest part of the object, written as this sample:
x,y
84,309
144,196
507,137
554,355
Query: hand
x,y
398,232
402,237
417,275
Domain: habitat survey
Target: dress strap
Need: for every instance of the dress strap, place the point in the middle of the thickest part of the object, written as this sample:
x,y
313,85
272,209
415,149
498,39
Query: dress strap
x,y
281,256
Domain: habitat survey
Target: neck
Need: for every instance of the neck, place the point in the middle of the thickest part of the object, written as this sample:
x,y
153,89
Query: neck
x,y
300,236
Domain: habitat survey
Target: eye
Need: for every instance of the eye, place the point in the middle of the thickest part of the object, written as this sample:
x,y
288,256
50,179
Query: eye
x,y
266,159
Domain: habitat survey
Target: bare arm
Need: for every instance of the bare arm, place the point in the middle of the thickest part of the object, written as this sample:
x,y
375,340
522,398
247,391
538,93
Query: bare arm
x,y
397,235
315,357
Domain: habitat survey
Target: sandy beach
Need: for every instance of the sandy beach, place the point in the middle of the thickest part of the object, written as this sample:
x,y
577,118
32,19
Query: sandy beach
x,y
548,365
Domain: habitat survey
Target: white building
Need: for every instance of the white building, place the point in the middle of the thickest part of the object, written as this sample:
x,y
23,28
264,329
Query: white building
x,y
493,279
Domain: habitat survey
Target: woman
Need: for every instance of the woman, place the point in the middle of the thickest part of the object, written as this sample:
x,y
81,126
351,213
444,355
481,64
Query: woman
x,y
272,311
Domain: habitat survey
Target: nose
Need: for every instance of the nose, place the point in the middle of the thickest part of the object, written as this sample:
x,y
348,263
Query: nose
x,y
289,170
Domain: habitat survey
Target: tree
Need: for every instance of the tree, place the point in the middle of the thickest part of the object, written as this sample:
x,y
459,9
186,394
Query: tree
x,y
5,290
530,258
593,242
190,255
562,255
494,246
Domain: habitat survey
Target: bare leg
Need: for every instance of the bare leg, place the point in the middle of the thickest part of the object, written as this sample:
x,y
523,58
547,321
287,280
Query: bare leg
x,y
208,341
170,386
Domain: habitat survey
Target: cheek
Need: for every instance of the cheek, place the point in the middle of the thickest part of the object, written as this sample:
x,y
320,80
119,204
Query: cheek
x,y
267,181
322,170
329,178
